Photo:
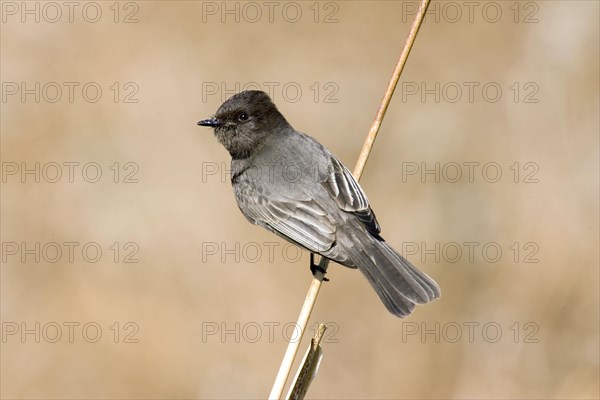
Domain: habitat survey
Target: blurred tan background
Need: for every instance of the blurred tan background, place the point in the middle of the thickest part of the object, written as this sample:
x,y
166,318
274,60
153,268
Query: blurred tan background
x,y
501,87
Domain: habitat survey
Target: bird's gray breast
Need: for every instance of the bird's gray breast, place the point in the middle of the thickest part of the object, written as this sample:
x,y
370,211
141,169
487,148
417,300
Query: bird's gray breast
x,y
291,167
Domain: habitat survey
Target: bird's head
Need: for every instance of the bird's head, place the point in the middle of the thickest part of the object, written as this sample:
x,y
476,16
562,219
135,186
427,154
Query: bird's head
x,y
244,120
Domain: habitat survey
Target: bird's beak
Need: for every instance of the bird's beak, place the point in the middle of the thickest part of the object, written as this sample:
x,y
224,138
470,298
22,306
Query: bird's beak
x,y
214,122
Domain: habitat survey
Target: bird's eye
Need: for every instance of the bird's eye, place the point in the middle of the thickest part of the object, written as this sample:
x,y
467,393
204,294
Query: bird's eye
x,y
243,117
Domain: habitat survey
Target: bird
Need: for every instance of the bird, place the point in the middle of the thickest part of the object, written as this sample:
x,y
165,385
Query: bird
x,y
290,184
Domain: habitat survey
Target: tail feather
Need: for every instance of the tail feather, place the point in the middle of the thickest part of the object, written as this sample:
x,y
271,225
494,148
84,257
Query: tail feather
x,y
397,282
426,287
391,298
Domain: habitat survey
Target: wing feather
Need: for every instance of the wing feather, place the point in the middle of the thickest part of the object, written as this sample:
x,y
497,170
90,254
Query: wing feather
x,y
304,222
349,196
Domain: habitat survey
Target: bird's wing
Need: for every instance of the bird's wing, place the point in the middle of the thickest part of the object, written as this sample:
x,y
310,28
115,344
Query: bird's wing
x,y
304,222
349,196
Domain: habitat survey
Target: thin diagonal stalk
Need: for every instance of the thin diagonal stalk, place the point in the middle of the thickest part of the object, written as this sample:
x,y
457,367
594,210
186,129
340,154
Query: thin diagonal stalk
x,y
387,97
315,286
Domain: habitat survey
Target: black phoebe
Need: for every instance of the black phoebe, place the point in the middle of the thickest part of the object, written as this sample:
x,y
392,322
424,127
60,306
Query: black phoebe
x,y
290,184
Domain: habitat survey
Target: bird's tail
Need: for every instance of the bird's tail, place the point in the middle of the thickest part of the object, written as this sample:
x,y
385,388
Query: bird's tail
x,y
397,282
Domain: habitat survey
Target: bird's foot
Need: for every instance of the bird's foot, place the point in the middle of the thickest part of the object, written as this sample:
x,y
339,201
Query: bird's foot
x,y
314,268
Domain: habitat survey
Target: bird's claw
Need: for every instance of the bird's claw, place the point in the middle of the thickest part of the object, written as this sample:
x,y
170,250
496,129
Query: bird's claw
x,y
314,268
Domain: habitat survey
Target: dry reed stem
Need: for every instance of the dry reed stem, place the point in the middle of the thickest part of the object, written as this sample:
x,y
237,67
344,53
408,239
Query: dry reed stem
x,y
315,286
